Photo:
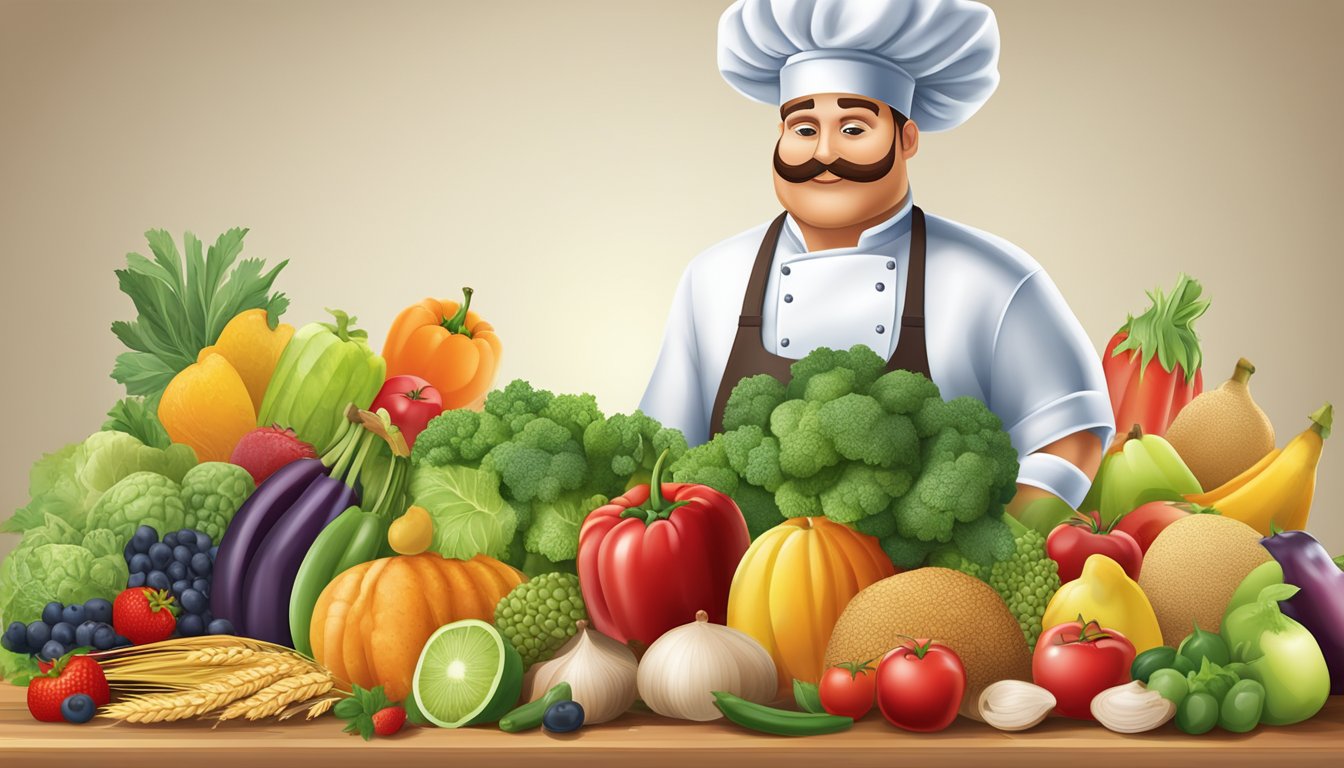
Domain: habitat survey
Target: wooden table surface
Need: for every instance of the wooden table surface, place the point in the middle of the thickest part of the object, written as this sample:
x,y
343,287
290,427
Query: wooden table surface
x,y
646,741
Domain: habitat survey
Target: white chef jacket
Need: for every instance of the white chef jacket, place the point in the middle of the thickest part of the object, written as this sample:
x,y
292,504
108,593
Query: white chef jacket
x,y
996,329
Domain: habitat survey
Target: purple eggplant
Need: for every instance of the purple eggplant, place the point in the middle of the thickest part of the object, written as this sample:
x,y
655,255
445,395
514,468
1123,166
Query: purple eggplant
x,y
249,528
1319,602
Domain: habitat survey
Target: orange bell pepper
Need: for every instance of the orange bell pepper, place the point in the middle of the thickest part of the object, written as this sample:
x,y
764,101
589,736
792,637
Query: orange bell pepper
x,y
449,346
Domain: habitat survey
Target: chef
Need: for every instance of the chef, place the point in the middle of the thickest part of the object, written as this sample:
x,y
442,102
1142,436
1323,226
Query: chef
x,y
852,259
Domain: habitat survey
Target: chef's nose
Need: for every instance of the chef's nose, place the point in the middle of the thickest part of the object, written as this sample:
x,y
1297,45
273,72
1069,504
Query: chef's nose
x,y
825,148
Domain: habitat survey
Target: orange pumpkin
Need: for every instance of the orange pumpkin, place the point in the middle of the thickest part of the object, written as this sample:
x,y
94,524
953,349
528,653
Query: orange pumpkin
x,y
792,585
447,345
371,622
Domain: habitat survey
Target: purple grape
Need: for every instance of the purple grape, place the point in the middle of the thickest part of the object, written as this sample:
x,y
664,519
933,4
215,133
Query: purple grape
x,y
53,613
120,642
140,563
201,564
214,552
39,633
128,552
194,602
135,580
176,571
170,540
182,554
98,610
190,625
15,639
160,555
203,542
157,580
144,538
202,586
180,586
220,627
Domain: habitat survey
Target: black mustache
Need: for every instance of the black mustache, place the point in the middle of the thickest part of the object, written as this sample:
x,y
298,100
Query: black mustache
x,y
797,174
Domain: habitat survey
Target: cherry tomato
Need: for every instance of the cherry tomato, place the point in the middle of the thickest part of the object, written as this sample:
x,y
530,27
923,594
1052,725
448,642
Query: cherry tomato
x,y
1148,520
920,685
411,402
1076,539
848,689
1077,660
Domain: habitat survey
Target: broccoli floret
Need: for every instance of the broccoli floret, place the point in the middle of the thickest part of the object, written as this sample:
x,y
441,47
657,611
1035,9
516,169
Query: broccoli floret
x,y
211,495
516,404
709,464
752,401
863,491
539,616
573,412
862,364
1027,580
140,498
541,462
622,449
861,430
459,437
554,529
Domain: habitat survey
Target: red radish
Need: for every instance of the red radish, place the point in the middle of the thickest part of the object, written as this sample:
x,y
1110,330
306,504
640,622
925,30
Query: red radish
x,y
265,449
1152,363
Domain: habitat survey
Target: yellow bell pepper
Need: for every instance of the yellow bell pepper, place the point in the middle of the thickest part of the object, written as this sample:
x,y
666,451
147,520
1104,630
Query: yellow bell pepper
x,y
253,348
1106,594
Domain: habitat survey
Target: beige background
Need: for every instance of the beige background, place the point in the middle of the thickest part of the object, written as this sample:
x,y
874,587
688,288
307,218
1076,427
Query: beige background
x,y
568,159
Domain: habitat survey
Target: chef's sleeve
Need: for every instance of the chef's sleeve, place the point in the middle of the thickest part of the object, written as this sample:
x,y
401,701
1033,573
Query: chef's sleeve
x,y
1046,383
674,396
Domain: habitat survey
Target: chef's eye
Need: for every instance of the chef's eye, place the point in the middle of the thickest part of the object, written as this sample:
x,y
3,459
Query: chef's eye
x,y
853,129
805,130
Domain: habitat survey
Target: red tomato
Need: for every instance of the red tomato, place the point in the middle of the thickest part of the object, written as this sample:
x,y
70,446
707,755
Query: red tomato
x,y
651,558
848,689
1148,520
411,402
1077,660
920,685
1076,539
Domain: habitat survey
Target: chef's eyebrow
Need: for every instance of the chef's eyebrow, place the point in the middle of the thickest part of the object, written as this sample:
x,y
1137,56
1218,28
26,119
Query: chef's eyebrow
x,y
787,110
857,104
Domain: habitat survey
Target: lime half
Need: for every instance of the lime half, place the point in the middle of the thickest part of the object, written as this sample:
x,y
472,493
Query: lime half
x,y
467,674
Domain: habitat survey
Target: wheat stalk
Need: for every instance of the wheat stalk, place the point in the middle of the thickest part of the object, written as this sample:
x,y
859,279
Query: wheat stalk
x,y
207,697
274,698
225,657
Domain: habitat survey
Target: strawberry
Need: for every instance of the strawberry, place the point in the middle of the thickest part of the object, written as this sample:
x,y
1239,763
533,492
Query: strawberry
x,y
265,449
389,720
144,615
369,713
68,675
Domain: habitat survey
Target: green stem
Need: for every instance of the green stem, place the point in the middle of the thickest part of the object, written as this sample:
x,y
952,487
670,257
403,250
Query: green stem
x,y
393,494
656,508
344,326
458,322
341,445
1323,419
1242,375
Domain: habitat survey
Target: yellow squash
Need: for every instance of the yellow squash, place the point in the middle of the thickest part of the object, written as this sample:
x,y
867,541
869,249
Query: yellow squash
x,y
1279,489
793,583
1104,593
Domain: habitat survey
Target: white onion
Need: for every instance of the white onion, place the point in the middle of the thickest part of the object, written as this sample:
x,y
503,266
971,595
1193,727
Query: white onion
x,y
1015,705
682,668
1132,708
600,672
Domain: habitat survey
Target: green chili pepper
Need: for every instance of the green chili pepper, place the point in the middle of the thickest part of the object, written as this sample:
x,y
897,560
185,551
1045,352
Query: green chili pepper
x,y
1242,707
1151,660
1197,714
529,715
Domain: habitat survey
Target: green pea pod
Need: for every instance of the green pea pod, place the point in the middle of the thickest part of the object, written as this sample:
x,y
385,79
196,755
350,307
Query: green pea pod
x,y
529,715
1197,714
807,696
1242,706
1151,660
1200,645
780,722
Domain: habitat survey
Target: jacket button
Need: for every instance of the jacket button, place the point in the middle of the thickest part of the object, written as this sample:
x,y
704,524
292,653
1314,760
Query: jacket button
x,y
880,287
783,342
788,298
881,329
891,265
785,270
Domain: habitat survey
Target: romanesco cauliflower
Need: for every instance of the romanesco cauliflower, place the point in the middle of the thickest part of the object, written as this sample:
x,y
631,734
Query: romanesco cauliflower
x,y
540,615
211,495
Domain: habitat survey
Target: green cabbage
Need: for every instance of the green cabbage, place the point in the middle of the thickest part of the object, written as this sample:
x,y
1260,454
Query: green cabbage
x,y
141,498
470,517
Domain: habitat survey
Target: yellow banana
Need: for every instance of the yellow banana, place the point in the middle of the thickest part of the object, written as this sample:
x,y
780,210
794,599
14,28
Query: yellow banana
x,y
1278,490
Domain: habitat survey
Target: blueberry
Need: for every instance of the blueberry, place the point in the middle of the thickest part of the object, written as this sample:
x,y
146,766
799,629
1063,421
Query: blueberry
x,y
83,633
160,554
170,540
563,717
63,633
201,564
158,580
77,708
203,542
214,552
38,634
180,586
128,551
220,627
190,625
15,639
135,580
202,586
207,616
53,613
104,637
140,564
182,554
120,642
144,538
176,571
194,602
74,614
98,610
51,651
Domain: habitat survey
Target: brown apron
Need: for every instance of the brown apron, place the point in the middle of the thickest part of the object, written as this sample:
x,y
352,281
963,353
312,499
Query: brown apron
x,y
749,357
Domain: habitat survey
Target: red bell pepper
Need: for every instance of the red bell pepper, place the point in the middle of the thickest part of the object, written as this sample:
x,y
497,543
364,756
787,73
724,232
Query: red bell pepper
x,y
651,558
1149,394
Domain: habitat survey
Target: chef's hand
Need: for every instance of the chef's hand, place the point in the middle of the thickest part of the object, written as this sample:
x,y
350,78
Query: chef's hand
x,y
1043,510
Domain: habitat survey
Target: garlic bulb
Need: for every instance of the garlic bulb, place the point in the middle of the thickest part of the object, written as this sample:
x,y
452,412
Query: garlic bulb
x,y
600,672
1014,705
1132,708
682,668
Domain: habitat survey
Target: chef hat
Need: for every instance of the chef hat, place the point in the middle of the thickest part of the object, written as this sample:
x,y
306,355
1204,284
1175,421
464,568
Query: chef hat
x,y
934,61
